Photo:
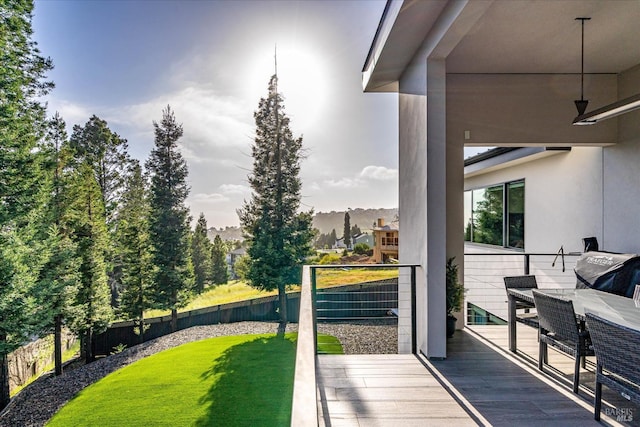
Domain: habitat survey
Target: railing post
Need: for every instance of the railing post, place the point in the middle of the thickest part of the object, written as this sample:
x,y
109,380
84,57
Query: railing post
x,y
314,310
414,333
527,260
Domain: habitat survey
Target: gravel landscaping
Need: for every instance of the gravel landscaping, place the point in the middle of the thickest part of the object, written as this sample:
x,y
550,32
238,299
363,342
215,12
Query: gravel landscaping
x,y
37,403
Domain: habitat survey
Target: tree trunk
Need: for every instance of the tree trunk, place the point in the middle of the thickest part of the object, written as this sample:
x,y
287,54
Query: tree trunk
x,y
83,348
4,380
141,339
174,319
57,345
282,297
88,352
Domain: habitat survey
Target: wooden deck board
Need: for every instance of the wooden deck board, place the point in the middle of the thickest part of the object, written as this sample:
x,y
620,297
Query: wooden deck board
x,y
383,390
480,383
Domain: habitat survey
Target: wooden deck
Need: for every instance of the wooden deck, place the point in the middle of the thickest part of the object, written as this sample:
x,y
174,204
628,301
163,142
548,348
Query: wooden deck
x,y
480,383
383,390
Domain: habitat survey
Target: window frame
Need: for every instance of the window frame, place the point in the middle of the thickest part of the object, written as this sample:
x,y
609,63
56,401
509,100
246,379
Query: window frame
x,y
506,235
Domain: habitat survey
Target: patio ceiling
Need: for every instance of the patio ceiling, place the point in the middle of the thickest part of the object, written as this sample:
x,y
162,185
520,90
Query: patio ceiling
x,y
506,37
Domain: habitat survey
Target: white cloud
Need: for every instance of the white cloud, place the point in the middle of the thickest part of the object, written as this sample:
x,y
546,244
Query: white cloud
x,y
379,173
235,189
208,199
212,124
344,182
70,112
362,179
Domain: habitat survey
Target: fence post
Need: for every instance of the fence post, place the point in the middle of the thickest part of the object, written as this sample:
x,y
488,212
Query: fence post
x,y
313,308
414,333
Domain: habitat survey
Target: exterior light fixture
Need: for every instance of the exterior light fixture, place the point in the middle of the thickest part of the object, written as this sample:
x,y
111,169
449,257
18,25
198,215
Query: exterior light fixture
x,y
608,111
620,107
581,104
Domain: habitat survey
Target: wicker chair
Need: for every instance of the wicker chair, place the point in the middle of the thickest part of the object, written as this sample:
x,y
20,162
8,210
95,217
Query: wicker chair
x,y
618,359
559,329
523,282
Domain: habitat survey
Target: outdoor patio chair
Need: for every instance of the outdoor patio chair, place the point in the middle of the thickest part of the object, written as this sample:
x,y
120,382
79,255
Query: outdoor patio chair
x,y
523,282
617,357
559,328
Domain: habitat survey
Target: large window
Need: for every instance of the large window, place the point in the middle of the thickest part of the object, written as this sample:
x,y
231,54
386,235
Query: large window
x,y
495,215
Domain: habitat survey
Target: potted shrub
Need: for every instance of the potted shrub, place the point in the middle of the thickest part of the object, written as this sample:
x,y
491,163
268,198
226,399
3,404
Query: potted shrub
x,y
455,295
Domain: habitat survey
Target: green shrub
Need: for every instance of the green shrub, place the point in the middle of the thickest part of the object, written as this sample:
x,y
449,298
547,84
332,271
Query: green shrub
x,y
361,249
329,259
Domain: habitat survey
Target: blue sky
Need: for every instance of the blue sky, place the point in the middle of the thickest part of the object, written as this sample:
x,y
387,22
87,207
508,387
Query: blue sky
x,y
124,61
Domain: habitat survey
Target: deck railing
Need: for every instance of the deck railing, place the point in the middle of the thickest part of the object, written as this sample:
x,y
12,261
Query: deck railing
x,y
484,272
350,307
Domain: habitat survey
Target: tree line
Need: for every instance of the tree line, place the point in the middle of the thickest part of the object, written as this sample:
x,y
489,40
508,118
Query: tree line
x,y
87,233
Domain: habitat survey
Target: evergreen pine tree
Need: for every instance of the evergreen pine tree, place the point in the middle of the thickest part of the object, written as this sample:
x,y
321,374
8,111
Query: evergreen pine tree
x,y
90,235
201,254
219,274
134,247
169,219
59,279
106,152
107,155
22,121
279,238
347,230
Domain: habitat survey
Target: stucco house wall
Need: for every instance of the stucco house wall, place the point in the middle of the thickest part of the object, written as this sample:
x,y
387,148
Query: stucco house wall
x,y
563,197
621,189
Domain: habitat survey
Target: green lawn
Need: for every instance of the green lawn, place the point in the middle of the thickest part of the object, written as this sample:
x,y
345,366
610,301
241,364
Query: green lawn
x,y
244,380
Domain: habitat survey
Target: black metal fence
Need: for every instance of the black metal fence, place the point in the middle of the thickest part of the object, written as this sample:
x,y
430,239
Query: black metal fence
x,y
259,309
364,301
361,301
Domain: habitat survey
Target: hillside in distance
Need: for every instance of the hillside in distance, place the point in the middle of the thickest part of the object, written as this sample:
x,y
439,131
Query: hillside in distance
x,y
363,218
226,233
323,221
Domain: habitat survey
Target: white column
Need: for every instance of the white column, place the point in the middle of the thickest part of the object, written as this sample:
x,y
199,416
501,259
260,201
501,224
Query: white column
x,y
436,209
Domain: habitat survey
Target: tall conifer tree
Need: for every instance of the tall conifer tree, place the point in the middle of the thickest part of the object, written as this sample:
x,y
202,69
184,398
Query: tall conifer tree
x,y
347,230
169,219
134,246
107,155
22,121
219,273
90,235
279,237
201,254
59,279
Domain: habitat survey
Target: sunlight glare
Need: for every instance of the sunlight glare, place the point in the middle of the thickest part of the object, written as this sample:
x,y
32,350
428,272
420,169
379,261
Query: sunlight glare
x,y
301,81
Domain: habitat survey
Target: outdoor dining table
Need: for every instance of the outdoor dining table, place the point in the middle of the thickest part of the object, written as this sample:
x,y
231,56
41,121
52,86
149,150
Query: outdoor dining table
x,y
616,308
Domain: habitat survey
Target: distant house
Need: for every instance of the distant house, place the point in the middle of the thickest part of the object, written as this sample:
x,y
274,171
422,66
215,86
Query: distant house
x,y
232,257
363,238
385,239
339,244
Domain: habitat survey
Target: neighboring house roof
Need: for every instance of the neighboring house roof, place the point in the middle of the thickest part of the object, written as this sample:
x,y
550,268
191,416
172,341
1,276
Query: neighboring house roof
x,y
500,157
394,226
239,251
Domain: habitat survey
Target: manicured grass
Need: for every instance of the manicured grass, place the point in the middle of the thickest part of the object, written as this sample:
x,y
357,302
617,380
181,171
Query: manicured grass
x,y
221,294
244,380
336,277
